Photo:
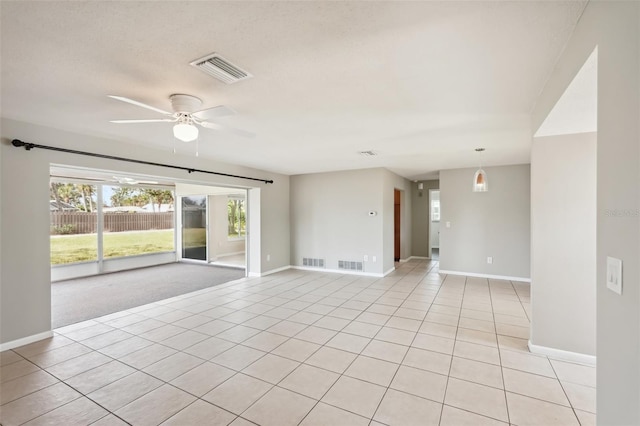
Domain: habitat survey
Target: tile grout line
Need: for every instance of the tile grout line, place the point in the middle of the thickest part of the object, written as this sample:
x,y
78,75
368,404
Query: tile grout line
x,y
404,356
573,409
340,288
446,388
336,381
506,401
386,387
76,390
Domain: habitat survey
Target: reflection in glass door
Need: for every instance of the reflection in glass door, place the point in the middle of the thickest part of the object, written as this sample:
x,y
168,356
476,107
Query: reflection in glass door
x,y
194,227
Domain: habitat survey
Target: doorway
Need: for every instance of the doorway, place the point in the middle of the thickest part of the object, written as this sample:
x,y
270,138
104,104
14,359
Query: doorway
x,y
434,224
396,225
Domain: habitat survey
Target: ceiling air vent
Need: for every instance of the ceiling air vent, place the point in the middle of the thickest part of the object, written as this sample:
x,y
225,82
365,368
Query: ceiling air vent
x,y
221,69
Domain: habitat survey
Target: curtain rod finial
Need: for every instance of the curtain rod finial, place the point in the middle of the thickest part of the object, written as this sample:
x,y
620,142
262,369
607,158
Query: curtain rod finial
x,y
18,143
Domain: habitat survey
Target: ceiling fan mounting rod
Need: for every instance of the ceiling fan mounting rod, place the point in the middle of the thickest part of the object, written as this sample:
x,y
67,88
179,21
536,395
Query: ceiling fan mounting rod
x,y
29,146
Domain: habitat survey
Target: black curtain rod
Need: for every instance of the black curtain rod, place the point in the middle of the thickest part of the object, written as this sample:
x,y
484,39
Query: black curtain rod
x,y
29,146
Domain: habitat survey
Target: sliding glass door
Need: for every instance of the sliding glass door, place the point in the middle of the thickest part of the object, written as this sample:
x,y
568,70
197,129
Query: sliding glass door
x,y
194,227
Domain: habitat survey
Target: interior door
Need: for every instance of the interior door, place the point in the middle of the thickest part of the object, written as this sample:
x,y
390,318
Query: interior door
x,y
194,227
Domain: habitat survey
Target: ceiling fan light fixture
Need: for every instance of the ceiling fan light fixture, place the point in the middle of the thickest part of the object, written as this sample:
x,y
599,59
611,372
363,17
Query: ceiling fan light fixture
x,y
185,132
187,116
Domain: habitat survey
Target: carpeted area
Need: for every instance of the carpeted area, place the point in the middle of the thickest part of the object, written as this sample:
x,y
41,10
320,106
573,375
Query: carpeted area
x,y
81,299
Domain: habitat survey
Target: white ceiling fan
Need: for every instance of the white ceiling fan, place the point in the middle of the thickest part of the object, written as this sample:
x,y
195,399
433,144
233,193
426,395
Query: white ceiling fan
x,y
186,116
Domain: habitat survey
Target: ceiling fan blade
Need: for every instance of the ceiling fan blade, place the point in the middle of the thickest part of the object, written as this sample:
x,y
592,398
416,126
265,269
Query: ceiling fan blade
x,y
151,120
229,129
217,111
140,104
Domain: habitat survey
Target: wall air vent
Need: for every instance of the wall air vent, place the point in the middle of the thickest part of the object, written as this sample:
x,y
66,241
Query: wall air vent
x,y
349,265
368,153
221,69
312,263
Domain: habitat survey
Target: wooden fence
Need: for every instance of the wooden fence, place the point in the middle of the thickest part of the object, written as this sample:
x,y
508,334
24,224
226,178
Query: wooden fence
x,y
86,223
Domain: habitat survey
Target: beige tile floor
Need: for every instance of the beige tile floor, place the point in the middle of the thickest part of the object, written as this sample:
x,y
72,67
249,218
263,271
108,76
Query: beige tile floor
x,y
307,348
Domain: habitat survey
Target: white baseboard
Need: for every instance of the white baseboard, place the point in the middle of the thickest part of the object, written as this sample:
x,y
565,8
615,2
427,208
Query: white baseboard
x,y
340,271
493,277
233,253
333,271
414,257
269,272
562,355
25,340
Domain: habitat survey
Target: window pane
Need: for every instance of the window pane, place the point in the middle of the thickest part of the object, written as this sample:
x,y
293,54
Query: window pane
x,y
236,218
137,221
435,210
74,223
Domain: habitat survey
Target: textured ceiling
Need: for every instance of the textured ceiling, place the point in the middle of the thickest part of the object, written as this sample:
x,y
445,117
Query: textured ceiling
x,y
420,83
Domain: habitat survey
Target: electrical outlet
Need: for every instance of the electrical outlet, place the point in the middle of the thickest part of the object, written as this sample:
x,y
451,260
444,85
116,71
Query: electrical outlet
x,y
614,275
268,258
447,224
490,260
373,259
366,258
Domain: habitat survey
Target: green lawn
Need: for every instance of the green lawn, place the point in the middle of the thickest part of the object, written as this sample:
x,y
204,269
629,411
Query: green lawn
x,y
81,248
194,237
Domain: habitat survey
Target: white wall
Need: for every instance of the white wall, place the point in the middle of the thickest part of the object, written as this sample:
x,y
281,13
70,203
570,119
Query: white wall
x,y
483,224
614,27
254,226
563,243
329,217
330,220
25,294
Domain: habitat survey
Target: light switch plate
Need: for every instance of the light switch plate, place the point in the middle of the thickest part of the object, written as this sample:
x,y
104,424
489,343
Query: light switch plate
x,y
614,275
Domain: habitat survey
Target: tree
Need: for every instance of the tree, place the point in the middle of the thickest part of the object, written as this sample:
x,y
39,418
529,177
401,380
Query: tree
x,y
69,193
122,196
158,196
236,217
87,192
53,192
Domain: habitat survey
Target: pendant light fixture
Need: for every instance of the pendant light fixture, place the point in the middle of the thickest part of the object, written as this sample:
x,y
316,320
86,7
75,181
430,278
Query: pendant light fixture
x,y
480,183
